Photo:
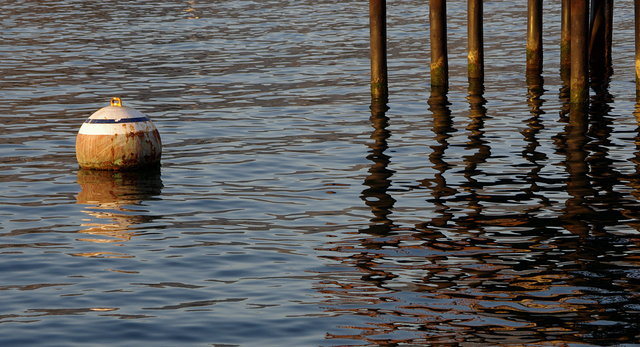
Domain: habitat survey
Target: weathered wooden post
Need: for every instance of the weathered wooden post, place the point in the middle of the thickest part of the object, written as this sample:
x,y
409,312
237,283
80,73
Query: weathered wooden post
x,y
378,39
475,50
579,86
637,35
608,35
600,43
565,40
438,36
534,36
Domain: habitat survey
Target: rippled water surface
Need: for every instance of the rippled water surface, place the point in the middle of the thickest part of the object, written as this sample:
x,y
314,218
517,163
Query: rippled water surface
x,y
286,211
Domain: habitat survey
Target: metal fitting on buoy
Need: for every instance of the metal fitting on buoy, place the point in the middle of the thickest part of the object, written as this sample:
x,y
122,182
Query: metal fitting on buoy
x,y
118,137
116,101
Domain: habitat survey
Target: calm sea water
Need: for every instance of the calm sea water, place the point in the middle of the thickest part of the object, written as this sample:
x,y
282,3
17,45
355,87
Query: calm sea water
x,y
286,212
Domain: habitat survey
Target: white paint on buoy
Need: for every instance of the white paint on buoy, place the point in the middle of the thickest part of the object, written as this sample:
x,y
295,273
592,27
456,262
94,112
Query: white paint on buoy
x,y
117,137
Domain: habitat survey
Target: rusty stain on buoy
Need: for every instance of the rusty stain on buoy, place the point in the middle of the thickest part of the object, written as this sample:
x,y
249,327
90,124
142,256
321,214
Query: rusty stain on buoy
x,y
118,137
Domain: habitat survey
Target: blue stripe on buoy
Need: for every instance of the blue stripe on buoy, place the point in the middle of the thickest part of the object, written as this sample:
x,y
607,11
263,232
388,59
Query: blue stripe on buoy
x,y
114,121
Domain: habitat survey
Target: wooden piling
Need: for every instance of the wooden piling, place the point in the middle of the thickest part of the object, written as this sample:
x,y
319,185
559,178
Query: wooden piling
x,y
579,86
608,36
475,47
637,36
565,40
378,39
597,43
438,36
534,36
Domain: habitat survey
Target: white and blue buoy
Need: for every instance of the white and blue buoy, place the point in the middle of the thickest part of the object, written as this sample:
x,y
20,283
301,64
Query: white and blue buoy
x,y
117,138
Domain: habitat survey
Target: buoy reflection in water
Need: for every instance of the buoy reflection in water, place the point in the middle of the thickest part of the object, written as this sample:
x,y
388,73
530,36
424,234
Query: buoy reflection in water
x,y
110,192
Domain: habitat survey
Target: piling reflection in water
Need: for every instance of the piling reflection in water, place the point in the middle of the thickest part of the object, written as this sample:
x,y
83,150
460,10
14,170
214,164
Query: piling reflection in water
x,y
477,146
442,129
534,125
634,180
378,181
578,185
593,214
376,196
110,193
495,267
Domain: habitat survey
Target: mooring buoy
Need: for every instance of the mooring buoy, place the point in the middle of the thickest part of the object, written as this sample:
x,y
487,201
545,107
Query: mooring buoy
x,y
118,137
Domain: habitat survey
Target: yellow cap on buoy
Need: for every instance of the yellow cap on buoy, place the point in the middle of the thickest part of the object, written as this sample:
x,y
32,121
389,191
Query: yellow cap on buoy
x,y
116,101
118,137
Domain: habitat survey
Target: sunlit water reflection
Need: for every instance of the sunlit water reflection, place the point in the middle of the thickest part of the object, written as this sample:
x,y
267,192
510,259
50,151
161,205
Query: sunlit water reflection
x,y
289,212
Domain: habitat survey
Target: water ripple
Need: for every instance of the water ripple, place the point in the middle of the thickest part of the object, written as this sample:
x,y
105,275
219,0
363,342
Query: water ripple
x,y
287,211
